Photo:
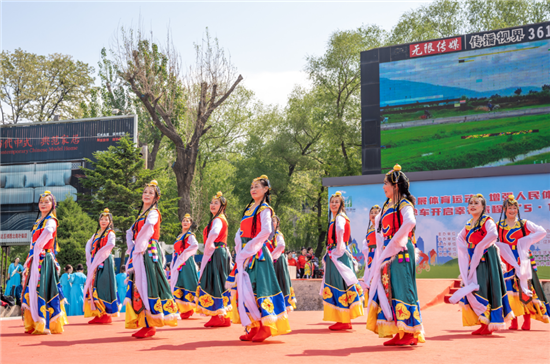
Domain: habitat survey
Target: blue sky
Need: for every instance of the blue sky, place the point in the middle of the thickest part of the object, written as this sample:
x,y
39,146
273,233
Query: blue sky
x,y
517,65
268,42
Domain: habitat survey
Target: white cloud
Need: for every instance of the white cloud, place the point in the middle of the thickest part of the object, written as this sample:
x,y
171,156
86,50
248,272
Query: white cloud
x,y
275,87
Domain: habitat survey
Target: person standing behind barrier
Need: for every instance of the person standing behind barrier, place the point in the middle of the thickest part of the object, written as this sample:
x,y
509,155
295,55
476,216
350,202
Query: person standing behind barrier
x,y
122,286
393,307
315,262
302,260
483,296
77,281
14,278
525,293
65,284
184,277
340,290
100,292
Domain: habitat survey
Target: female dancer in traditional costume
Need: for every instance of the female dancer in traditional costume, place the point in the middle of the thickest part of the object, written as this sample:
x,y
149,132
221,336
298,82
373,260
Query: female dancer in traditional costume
x,y
483,296
150,303
214,299
342,295
43,302
393,307
276,246
525,293
100,294
184,278
261,304
369,247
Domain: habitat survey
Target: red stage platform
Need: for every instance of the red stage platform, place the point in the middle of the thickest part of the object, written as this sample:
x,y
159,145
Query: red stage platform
x,y
446,342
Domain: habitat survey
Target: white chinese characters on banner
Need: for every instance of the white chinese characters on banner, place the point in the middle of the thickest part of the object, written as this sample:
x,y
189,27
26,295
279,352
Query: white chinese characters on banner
x,y
435,47
507,36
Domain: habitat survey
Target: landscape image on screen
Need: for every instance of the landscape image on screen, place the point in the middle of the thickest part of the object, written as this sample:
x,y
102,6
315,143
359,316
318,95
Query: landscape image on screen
x,y
478,108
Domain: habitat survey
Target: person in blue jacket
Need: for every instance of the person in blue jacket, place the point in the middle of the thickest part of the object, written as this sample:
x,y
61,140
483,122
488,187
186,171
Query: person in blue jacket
x,y
122,286
14,278
65,285
76,302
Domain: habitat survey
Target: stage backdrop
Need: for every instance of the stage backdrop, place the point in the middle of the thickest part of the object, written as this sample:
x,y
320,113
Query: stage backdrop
x,y
441,212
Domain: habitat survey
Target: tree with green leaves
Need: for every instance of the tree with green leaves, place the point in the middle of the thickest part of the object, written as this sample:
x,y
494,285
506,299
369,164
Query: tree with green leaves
x,y
447,18
116,180
337,75
75,228
36,87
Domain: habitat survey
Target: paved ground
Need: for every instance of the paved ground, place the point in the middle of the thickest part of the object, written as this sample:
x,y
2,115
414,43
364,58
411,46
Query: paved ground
x,y
310,341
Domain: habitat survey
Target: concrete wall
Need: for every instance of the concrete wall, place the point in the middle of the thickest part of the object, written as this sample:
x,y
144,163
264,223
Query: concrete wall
x,y
307,294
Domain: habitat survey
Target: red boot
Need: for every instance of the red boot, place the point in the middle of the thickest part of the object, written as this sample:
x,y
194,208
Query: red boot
x,y
514,325
248,336
226,323
486,331
140,332
340,326
105,319
187,314
407,339
480,330
393,341
94,320
148,332
526,322
263,333
215,321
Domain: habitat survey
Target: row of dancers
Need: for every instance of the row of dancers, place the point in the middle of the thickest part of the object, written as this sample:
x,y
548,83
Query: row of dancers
x,y
255,290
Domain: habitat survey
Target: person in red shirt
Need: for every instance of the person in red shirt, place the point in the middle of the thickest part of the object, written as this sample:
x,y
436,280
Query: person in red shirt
x,y
302,263
291,260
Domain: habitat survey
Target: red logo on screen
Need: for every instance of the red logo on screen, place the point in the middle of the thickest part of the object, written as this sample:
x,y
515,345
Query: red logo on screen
x,y
435,47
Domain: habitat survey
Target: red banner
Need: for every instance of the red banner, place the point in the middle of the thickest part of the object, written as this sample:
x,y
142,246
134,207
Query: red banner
x,y
435,47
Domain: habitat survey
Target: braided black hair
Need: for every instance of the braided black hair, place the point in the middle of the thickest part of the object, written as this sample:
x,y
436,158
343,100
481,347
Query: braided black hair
x,y
484,203
396,177
372,208
342,208
266,198
52,198
221,210
505,205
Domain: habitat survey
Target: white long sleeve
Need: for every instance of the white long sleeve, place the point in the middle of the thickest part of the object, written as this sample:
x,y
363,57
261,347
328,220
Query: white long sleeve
x,y
340,226
238,241
254,245
99,258
280,248
463,256
401,237
88,250
45,236
182,258
209,246
214,232
142,240
485,243
130,239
